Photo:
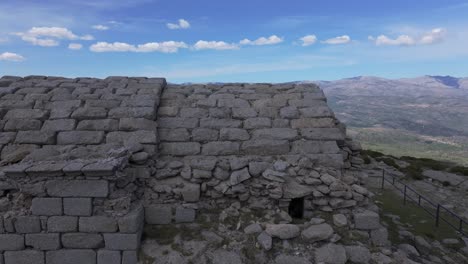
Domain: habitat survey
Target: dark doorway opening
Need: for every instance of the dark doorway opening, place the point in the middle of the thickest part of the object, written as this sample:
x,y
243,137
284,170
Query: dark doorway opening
x,y
296,208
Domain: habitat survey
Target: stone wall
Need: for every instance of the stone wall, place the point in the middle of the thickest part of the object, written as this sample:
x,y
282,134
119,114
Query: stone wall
x,y
85,162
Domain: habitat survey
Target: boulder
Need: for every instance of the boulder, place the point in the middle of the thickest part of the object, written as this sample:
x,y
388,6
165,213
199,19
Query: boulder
x,y
283,231
317,232
331,254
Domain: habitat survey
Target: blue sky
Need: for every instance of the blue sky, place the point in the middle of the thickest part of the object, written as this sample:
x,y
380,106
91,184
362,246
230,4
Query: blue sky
x,y
254,41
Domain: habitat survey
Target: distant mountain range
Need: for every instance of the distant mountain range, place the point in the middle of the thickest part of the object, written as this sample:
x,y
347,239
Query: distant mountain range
x,y
425,116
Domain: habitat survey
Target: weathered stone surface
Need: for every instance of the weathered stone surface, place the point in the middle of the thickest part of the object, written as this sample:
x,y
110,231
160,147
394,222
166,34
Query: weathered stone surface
x,y
43,241
316,233
285,259
59,125
176,134
366,220
82,240
27,224
322,133
204,134
259,122
180,148
71,256
265,241
133,221
98,125
313,122
253,229
239,176
331,253
108,257
7,137
133,112
24,257
26,114
35,137
233,134
158,214
191,192
116,241
80,137
452,179
379,237
265,147
177,122
184,215
89,113
220,148
256,168
275,133
22,124
97,224
218,123
314,147
77,206
358,254
46,206
77,188
283,231
11,242
62,224
340,220
132,124
243,113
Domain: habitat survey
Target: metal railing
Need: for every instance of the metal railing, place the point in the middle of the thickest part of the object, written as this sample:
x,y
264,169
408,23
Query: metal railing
x,y
435,210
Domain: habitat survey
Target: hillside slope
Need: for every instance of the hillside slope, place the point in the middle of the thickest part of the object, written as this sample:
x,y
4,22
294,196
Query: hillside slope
x,y
423,117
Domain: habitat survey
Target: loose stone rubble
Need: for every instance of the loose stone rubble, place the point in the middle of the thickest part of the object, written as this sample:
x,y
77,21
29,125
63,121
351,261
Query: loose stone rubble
x,y
89,165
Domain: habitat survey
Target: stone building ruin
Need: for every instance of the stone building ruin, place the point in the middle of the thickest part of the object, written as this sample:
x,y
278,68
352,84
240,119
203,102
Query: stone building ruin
x,y
86,163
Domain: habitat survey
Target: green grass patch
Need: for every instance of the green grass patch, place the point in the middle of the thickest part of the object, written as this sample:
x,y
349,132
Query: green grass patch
x,y
459,170
417,220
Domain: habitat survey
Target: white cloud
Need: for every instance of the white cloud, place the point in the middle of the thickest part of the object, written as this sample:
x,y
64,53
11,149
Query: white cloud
x,y
182,24
308,40
164,47
8,56
75,46
216,45
100,27
48,36
436,35
338,40
3,39
271,40
402,40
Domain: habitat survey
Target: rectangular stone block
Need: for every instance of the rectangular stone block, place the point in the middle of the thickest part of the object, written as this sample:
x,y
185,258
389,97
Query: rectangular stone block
x,y
27,224
99,169
24,257
62,224
77,206
319,111
314,147
141,136
22,124
26,114
184,215
265,147
35,137
313,122
46,206
180,148
59,125
98,125
77,188
71,256
80,137
130,257
89,113
235,103
233,134
132,124
11,242
204,134
176,134
168,111
132,222
158,214
221,148
109,104
46,169
82,240
133,112
117,241
7,137
275,133
218,123
258,122
109,257
177,122
97,224
43,241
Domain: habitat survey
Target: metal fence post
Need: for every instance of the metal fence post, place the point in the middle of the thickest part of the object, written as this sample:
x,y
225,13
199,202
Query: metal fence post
x,y
437,215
